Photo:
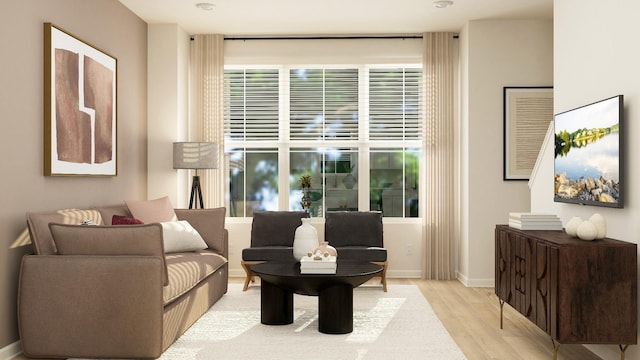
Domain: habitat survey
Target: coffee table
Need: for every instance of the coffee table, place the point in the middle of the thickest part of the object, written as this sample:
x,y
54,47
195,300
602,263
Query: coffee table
x,y
280,280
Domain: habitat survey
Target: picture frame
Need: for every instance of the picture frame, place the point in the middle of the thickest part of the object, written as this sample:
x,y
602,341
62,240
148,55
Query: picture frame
x,y
528,111
80,107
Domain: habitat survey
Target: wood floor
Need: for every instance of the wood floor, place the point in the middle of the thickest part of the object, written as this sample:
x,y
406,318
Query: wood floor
x,y
472,318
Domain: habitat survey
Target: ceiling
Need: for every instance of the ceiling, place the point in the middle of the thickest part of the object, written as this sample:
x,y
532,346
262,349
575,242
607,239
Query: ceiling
x,y
331,17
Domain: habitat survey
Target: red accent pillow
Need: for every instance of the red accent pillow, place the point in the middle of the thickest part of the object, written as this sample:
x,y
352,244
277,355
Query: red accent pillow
x,y
124,220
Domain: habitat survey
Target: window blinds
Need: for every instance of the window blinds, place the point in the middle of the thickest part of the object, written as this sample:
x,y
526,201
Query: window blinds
x,y
323,104
252,104
394,104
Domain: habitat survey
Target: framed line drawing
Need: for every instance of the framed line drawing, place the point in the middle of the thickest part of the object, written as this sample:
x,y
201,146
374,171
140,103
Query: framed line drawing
x,y
528,111
80,103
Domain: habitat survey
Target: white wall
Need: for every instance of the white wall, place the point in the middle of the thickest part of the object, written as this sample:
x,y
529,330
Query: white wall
x,y
595,57
494,54
168,64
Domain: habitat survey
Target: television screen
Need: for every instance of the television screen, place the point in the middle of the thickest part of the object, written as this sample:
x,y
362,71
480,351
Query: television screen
x,y
588,149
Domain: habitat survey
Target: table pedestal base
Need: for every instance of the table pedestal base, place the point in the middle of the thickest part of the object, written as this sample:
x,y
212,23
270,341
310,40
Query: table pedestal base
x,y
276,305
335,309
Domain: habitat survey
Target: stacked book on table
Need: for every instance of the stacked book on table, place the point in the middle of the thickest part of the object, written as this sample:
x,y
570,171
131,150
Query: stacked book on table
x,y
318,265
534,221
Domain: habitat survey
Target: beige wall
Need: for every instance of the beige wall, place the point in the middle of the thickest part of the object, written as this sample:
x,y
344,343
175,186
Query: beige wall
x,y
596,57
110,26
494,54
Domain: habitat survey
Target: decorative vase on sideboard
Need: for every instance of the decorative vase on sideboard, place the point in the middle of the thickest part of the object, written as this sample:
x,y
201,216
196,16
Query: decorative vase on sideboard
x,y
305,240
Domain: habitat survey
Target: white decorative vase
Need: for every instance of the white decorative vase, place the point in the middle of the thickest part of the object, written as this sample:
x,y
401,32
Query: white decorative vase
x,y
587,231
572,226
600,224
305,240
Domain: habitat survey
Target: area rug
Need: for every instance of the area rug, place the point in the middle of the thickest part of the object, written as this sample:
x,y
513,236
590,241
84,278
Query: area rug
x,y
398,324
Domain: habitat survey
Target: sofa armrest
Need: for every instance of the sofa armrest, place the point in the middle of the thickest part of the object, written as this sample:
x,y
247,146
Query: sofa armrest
x,y
90,306
210,225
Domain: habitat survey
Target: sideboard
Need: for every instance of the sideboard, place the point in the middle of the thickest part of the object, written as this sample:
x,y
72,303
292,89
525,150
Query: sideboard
x,y
578,292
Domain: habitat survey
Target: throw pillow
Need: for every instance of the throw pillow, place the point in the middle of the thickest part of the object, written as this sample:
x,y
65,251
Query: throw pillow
x,y
210,225
144,240
124,220
149,211
180,236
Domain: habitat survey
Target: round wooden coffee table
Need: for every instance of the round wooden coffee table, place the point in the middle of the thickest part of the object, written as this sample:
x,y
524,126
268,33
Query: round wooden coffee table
x,y
279,281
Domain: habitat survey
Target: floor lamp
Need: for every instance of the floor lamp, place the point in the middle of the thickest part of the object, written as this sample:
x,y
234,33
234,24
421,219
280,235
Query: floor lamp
x,y
195,155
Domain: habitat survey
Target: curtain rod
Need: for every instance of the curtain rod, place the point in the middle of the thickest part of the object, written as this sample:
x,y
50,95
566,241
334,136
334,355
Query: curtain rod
x,y
245,38
323,37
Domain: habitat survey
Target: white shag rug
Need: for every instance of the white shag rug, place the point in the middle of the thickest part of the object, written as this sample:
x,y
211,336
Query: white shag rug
x,y
398,324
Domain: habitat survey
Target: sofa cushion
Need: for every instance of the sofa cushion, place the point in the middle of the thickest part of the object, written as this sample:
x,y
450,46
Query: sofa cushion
x,y
38,224
148,211
210,225
275,228
268,253
180,236
109,211
186,270
109,240
362,253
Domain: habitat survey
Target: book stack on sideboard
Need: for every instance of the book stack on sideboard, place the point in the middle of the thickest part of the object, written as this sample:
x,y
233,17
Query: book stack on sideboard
x,y
534,221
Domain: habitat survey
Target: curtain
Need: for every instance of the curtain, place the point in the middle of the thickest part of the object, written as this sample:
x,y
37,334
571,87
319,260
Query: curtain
x,y
207,109
438,151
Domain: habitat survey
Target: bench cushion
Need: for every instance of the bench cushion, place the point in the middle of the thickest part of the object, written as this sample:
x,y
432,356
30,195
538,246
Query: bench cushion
x,y
268,253
353,228
362,253
275,228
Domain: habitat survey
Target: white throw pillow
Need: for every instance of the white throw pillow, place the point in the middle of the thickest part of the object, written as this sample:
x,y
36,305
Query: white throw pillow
x,y
180,236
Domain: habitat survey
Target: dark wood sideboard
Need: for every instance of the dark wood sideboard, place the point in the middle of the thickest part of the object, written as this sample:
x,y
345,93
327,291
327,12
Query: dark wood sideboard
x,y
578,292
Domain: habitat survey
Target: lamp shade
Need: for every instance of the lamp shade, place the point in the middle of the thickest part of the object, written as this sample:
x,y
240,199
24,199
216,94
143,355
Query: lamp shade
x,y
195,155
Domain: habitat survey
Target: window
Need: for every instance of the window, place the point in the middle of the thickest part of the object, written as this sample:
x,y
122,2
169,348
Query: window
x,y
356,130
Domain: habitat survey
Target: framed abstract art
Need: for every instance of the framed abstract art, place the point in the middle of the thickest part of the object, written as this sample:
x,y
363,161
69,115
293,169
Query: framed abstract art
x,y
80,103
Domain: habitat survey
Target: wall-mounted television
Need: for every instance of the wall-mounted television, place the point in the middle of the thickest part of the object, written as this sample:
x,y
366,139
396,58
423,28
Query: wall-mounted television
x,y
588,165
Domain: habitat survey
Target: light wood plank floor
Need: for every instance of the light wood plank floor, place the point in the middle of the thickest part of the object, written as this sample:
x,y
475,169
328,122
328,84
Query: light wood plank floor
x,y
472,317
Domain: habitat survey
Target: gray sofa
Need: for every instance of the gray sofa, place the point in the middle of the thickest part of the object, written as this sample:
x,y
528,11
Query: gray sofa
x,y
113,292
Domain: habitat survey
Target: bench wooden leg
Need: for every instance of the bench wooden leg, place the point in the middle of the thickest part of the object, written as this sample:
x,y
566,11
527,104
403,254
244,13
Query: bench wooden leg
x,y
246,265
383,274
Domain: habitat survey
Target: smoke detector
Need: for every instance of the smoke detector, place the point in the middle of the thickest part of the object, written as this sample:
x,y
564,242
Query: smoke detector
x,y
205,6
441,4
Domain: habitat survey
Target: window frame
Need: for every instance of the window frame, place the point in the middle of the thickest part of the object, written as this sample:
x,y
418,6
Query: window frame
x,y
363,144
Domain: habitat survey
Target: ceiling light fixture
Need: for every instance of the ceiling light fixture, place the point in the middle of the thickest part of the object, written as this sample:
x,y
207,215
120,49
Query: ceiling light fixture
x,y
441,4
205,6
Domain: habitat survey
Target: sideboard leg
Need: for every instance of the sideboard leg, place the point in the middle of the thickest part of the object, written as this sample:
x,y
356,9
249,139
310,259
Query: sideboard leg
x,y
501,311
623,349
556,347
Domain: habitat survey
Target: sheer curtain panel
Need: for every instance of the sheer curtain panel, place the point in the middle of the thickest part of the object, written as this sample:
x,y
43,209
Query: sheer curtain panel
x,y
439,197
207,109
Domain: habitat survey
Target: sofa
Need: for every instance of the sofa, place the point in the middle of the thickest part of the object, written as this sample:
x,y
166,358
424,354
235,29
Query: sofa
x,y
96,290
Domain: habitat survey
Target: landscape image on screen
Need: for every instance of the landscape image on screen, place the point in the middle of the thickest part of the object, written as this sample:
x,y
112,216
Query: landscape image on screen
x,y
587,154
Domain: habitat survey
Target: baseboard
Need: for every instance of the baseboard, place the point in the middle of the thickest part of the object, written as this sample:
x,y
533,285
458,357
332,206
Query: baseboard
x,y
475,282
10,351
